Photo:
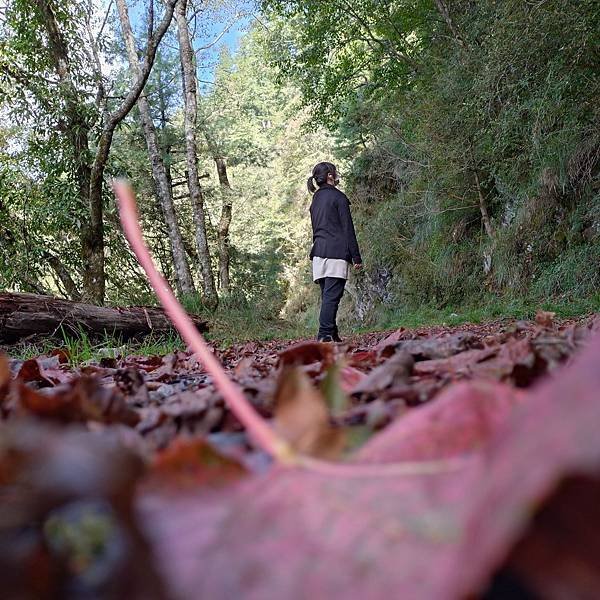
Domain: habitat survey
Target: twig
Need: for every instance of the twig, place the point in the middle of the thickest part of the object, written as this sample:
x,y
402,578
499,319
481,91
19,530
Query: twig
x,y
264,436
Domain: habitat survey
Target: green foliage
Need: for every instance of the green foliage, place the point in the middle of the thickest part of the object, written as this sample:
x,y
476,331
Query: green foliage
x,y
496,108
487,308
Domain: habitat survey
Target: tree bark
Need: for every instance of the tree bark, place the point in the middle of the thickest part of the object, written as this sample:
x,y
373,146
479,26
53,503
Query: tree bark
x,y
90,177
186,54
24,315
224,223
226,210
183,277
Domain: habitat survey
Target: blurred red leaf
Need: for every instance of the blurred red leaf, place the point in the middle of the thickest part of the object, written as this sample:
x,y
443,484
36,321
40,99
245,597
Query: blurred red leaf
x,y
363,358
193,463
350,378
418,536
462,418
391,340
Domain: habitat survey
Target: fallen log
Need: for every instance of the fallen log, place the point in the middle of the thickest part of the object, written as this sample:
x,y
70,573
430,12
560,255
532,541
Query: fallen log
x,y
32,315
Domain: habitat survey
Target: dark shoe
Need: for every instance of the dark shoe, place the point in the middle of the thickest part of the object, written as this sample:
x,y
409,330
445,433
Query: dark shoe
x,y
336,338
327,339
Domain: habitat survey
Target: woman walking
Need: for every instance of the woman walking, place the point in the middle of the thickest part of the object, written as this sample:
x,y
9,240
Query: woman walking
x,y
334,246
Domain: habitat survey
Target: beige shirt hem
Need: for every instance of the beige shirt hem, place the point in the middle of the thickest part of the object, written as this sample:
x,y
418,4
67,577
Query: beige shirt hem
x,y
329,267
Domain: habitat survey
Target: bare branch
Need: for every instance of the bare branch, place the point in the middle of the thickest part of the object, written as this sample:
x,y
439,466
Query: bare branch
x,y
108,9
145,68
229,25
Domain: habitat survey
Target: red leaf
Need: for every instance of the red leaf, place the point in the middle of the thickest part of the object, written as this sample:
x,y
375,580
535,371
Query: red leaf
x,y
350,378
363,359
31,371
297,533
193,463
554,436
462,418
390,340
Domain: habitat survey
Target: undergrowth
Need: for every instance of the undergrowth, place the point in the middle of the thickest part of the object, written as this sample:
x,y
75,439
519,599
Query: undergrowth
x,y
235,324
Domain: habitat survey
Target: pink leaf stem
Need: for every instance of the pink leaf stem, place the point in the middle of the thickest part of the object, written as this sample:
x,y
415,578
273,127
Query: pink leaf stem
x,y
255,425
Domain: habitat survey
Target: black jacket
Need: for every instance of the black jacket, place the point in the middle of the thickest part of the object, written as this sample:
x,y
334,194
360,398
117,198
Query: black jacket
x,y
333,230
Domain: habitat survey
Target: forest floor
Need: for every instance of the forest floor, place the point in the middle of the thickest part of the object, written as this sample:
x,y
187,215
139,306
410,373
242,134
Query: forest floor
x,y
85,444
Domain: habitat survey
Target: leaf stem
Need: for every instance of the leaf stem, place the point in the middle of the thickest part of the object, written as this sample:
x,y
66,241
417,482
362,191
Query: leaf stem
x,y
255,425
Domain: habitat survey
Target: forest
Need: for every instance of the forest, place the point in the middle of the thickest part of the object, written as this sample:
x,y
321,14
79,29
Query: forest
x,y
467,141
171,423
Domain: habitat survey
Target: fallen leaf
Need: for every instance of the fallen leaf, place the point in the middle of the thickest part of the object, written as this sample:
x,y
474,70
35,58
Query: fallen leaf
x,y
350,378
294,532
545,318
193,463
31,371
461,419
306,353
363,358
438,347
302,418
390,340
459,363
82,400
393,370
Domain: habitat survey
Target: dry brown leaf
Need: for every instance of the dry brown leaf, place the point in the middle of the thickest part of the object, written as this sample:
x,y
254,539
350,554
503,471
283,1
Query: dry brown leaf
x,y
545,318
301,416
395,369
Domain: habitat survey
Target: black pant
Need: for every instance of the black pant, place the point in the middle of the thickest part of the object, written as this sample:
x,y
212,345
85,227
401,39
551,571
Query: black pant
x,y
332,290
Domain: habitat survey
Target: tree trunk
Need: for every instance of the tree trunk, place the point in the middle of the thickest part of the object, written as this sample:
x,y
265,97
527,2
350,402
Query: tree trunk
x,y
226,208
24,315
183,277
90,177
224,223
186,53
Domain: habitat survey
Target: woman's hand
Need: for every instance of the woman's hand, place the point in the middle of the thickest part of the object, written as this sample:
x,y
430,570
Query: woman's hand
x,y
357,266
